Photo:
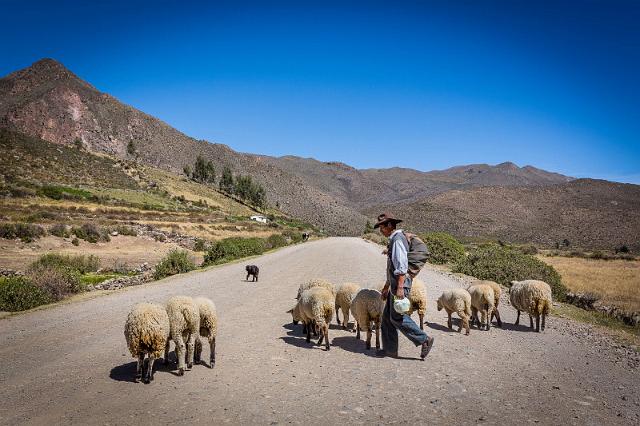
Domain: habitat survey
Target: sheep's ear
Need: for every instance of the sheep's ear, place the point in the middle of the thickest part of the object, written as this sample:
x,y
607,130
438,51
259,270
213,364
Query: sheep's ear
x,y
290,311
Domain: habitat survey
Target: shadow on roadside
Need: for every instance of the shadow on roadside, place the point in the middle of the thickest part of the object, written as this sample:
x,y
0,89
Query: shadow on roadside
x,y
124,372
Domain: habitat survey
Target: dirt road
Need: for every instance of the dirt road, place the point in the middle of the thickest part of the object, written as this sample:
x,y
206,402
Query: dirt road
x,y
70,364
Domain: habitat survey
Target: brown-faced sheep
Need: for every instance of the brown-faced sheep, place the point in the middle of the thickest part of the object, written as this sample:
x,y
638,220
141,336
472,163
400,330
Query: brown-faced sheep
x,y
482,299
457,300
344,296
533,297
315,309
184,320
497,291
367,308
208,329
146,331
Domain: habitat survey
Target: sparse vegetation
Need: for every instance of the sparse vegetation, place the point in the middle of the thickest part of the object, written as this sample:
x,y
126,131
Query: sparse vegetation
x,y
80,264
376,238
91,233
275,241
56,280
504,264
443,248
176,262
27,232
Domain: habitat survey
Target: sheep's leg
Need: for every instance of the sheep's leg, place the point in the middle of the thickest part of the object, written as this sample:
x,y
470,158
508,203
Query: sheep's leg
x,y
345,315
321,336
308,332
368,345
197,356
377,334
190,349
247,279
337,308
180,349
488,317
518,318
212,354
357,330
166,351
325,332
544,316
148,376
497,315
449,322
538,323
465,322
530,321
421,316
474,316
139,365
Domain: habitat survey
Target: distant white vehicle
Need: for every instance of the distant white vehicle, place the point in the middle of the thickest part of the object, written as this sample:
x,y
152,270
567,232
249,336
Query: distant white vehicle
x,y
259,218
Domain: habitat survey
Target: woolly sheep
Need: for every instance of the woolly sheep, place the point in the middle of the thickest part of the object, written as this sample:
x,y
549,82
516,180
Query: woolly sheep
x,y
418,299
344,296
367,308
482,299
208,328
533,297
497,291
316,282
184,320
457,300
315,309
146,331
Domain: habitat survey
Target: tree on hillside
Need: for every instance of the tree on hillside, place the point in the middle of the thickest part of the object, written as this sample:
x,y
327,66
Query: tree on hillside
x,y
132,149
203,171
187,171
250,191
226,181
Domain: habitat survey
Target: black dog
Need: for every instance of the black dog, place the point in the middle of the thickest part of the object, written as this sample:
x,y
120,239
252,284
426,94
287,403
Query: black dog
x,y
253,271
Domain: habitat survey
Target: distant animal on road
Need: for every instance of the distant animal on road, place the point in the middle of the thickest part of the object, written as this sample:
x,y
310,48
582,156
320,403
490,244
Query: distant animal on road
x,y
305,236
253,271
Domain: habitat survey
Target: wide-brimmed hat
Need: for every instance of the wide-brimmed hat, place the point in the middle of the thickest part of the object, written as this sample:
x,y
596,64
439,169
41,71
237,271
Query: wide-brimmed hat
x,y
386,218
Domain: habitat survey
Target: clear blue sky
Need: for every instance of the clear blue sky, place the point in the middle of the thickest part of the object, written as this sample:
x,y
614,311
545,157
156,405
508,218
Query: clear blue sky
x,y
550,83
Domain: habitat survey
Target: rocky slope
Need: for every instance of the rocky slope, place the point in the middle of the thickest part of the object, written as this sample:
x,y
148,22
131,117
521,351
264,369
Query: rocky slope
x,y
48,101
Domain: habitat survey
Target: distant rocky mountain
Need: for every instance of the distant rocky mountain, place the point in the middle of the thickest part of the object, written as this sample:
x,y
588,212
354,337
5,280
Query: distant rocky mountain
x,y
48,101
364,188
589,213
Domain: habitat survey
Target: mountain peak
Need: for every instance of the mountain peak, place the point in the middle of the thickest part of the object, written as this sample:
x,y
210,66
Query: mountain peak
x,y
42,71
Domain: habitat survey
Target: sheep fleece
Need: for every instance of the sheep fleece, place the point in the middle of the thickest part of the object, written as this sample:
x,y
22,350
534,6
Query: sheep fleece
x,y
147,329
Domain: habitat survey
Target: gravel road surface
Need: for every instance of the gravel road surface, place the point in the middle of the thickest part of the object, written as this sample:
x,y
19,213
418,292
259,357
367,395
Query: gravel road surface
x,y
69,364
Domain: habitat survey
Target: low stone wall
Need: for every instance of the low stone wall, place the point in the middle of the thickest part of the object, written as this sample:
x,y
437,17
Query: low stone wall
x,y
590,302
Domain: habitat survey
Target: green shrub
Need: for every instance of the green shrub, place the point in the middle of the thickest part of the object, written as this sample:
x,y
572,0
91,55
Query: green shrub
x,y
81,264
503,265
60,230
57,192
443,248
124,230
233,248
75,241
57,281
293,236
200,245
27,232
176,262
18,294
275,241
376,238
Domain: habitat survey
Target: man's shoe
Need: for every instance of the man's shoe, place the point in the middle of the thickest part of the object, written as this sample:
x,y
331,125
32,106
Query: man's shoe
x,y
426,347
381,353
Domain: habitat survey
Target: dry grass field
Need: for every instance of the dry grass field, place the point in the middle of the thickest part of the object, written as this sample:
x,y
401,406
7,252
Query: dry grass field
x,y
617,282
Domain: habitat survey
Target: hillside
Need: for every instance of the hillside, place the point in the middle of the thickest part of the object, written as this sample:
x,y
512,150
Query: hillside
x,y
589,213
48,101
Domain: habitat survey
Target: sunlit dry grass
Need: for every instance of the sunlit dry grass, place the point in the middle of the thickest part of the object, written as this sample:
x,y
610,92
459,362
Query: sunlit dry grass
x,y
616,281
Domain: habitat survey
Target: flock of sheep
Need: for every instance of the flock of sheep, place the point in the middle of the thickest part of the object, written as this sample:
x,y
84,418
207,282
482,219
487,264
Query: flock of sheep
x,y
318,300
150,327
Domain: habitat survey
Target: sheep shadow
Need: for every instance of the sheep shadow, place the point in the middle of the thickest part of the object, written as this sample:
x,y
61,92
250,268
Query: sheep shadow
x,y
444,328
351,344
520,327
124,373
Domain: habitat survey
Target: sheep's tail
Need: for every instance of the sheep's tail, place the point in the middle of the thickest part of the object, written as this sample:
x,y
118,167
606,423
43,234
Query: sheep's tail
x,y
543,306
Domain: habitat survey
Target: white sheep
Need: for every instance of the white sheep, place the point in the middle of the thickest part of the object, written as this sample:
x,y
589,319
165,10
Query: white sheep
x,y
533,297
497,291
344,296
146,331
457,300
184,320
315,309
367,308
316,282
482,300
208,328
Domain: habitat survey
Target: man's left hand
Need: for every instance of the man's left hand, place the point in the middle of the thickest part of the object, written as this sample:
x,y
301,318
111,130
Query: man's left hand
x,y
400,292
